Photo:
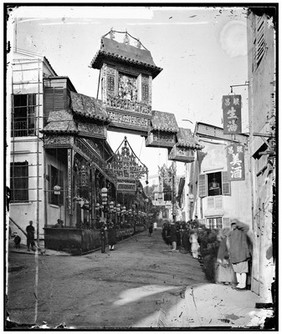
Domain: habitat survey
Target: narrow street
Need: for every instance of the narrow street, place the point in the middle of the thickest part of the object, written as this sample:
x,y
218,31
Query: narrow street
x,y
133,286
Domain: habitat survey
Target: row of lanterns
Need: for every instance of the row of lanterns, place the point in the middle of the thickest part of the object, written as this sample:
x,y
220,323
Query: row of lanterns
x,y
118,208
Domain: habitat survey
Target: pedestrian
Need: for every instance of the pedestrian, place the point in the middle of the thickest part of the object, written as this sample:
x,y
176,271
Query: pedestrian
x,y
155,226
238,245
111,236
173,236
150,229
103,238
194,245
17,241
30,236
224,272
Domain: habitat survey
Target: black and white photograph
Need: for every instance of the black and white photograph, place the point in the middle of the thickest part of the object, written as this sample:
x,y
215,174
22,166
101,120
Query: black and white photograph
x,y
140,166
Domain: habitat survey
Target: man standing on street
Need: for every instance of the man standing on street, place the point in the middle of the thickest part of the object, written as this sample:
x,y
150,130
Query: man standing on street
x,y
239,251
30,236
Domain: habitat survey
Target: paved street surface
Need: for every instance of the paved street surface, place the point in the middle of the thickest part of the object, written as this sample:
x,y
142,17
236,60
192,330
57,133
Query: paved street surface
x,y
141,284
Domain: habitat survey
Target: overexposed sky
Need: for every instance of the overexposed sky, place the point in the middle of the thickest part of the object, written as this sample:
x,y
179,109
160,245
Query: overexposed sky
x,y
202,50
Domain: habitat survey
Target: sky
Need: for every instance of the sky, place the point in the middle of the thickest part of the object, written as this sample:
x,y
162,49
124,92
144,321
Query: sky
x,y
202,50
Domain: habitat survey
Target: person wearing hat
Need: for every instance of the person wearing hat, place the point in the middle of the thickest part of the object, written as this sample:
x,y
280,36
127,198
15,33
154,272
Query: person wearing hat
x,y
239,251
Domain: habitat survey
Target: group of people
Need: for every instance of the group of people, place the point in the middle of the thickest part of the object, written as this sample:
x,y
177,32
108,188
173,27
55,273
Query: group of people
x,y
234,250
111,231
234,255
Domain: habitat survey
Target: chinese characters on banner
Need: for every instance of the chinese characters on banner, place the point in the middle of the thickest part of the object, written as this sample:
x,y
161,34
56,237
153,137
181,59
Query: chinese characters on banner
x,y
235,162
231,105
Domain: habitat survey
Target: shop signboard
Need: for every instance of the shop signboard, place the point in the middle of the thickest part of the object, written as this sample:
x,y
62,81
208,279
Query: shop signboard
x,y
235,162
231,106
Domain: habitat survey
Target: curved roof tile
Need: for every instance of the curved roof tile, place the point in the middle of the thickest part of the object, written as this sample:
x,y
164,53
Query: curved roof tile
x,y
185,138
88,107
164,121
124,52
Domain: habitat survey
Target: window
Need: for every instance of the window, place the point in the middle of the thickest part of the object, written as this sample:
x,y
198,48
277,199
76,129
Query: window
x,y
19,181
214,184
24,115
214,223
55,179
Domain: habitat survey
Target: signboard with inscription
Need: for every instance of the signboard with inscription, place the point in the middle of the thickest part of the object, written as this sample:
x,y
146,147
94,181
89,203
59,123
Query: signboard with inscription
x,y
231,106
235,162
126,187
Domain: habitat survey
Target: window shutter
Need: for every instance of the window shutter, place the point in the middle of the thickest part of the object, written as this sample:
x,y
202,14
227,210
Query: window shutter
x,y
203,186
226,184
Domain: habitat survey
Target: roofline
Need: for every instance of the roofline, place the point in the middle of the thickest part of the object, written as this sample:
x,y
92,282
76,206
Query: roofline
x,y
53,77
218,127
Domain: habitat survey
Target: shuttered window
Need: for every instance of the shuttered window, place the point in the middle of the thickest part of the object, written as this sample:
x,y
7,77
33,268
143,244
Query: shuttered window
x,y
55,98
222,185
203,188
226,184
259,41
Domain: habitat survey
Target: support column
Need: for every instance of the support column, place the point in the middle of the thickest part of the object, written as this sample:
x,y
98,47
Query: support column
x,y
69,183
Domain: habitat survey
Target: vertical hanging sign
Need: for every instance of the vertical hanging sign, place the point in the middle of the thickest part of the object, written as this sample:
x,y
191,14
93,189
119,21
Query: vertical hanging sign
x,y
235,162
231,105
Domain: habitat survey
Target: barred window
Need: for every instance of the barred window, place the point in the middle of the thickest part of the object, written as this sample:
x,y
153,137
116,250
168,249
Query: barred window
x,y
214,223
19,182
23,120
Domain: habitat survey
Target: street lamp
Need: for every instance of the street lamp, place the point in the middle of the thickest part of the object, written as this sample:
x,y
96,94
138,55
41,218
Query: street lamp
x,y
123,211
104,195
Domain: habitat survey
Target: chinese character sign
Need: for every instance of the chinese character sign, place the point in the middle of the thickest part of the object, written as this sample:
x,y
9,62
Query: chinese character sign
x,y
231,105
235,162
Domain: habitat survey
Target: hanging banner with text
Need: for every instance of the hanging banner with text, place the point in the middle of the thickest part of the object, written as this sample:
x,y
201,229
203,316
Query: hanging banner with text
x,y
231,105
235,162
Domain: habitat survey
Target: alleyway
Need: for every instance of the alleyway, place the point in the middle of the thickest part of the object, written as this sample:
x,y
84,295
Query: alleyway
x,y
129,287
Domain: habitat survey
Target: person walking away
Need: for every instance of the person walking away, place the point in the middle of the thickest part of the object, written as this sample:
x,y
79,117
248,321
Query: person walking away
x,y
239,251
111,236
224,272
150,229
155,226
30,236
173,236
194,245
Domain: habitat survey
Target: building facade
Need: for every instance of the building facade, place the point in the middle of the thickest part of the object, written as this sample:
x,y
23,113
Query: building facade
x,y
212,196
262,73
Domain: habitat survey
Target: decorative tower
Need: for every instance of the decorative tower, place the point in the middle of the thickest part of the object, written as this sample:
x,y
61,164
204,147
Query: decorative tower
x,y
126,73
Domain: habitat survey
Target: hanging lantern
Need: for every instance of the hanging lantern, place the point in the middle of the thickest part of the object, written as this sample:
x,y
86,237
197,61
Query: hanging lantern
x,y
112,206
97,206
104,194
123,210
57,190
